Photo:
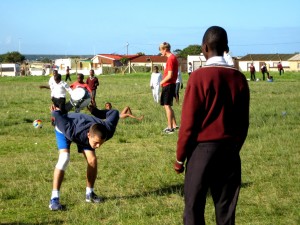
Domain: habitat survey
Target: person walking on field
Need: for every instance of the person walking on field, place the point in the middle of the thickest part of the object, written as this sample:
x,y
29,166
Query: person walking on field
x,y
252,72
68,76
214,126
93,83
179,85
190,68
168,86
155,84
280,68
89,133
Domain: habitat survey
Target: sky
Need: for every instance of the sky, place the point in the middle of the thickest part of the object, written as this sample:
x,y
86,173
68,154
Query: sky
x,y
72,27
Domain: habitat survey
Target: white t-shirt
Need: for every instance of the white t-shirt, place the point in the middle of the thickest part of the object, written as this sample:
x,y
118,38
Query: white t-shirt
x,y
155,79
179,78
59,90
228,59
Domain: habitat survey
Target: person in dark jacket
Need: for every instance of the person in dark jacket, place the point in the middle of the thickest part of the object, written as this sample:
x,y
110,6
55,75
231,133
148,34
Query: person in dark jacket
x,y
214,126
89,133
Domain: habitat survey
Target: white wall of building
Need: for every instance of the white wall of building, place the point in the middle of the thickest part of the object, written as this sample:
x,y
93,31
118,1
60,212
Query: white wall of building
x,y
196,60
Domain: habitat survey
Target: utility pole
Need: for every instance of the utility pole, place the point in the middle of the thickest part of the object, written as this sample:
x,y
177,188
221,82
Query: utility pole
x,y
127,44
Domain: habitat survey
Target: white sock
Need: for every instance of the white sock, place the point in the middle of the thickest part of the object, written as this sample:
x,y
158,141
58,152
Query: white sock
x,y
55,194
89,190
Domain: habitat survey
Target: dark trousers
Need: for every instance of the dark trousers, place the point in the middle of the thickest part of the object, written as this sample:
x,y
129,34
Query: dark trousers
x,y
68,77
281,70
253,76
214,166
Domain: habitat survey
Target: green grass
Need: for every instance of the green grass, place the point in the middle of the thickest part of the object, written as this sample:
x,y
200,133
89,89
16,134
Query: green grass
x,y
135,172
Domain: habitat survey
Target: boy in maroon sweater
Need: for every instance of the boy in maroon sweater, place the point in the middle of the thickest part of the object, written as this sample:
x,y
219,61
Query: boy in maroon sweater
x,y
214,126
93,83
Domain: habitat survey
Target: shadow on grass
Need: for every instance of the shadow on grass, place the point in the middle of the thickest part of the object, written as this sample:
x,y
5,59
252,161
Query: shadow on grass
x,y
246,184
26,120
40,223
173,189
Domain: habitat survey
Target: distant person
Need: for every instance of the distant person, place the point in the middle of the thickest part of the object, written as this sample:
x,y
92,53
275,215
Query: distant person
x,y
264,70
80,83
89,133
155,84
125,113
214,126
179,85
252,72
190,68
68,75
58,89
280,68
168,84
93,83
228,57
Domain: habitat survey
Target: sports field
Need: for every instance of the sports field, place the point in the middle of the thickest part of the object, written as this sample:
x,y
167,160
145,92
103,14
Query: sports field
x,y
135,171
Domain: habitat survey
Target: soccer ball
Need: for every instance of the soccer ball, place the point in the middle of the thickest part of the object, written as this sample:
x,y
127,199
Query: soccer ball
x,y
37,124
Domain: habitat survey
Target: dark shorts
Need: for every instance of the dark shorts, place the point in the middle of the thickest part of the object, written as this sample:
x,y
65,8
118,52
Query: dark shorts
x,y
167,94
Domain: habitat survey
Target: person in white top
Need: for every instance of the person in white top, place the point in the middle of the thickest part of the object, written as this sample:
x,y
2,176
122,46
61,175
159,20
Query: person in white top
x,y
228,58
190,68
155,84
58,89
179,84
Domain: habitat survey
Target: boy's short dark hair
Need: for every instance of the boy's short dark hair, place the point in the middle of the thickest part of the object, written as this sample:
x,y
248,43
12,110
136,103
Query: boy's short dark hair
x,y
57,77
216,38
99,130
80,75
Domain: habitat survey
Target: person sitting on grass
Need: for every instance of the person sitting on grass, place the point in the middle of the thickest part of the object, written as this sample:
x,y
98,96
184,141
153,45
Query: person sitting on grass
x,y
89,133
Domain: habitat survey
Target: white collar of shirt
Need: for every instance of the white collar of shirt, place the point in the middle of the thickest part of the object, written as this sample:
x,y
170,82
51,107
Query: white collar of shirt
x,y
216,60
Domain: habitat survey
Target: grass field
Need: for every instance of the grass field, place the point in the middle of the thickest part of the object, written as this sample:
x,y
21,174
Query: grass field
x,y
136,175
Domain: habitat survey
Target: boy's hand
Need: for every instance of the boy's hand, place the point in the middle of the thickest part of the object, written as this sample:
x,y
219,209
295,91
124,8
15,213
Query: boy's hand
x,y
54,108
90,107
178,167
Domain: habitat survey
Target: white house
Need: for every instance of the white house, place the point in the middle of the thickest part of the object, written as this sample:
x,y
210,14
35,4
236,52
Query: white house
x,y
10,69
196,60
271,61
76,65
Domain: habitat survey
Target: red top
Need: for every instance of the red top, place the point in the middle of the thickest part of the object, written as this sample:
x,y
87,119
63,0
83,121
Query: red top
x,y
83,85
172,65
215,108
92,83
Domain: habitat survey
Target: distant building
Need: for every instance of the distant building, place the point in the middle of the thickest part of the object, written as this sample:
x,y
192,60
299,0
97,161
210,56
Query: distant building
x,y
196,60
76,65
10,69
290,62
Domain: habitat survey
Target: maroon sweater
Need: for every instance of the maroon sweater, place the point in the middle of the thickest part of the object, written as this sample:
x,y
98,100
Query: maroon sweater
x,y
215,108
92,83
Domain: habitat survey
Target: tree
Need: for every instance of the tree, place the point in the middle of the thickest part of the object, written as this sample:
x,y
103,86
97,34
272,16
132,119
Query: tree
x,y
190,50
177,51
124,60
140,53
12,57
